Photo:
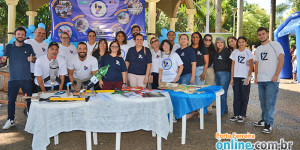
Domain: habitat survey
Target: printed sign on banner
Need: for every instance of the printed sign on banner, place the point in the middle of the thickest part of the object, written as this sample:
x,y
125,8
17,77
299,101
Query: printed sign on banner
x,y
105,17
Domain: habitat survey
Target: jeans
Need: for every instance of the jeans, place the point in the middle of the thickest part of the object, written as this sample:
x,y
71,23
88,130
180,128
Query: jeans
x,y
240,96
185,79
223,79
13,90
154,84
267,96
199,71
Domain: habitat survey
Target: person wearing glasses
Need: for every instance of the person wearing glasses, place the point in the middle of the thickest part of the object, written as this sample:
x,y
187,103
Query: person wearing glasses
x,y
188,58
156,55
171,37
202,58
138,62
116,75
40,48
171,65
67,51
210,74
121,38
91,43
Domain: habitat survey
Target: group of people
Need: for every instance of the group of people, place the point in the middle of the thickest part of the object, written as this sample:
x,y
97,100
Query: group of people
x,y
199,63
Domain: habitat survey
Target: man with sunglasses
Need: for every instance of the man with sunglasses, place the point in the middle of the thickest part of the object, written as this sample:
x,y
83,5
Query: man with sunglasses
x,y
39,48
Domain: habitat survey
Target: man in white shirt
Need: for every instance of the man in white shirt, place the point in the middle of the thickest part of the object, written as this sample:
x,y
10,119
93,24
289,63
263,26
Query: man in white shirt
x,y
136,30
91,43
42,70
82,66
39,48
269,60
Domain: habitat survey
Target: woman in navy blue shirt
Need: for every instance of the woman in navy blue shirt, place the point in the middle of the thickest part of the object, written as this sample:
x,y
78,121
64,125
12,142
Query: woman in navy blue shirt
x,y
116,75
188,58
138,62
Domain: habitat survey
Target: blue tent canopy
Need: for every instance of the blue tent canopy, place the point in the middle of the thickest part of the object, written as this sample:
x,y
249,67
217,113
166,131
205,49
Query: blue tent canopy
x,y
289,27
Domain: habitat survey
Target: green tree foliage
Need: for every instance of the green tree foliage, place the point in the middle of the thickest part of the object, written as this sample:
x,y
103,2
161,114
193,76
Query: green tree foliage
x,y
253,17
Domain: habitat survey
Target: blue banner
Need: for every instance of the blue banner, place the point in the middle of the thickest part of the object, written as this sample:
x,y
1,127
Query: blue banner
x,y
105,17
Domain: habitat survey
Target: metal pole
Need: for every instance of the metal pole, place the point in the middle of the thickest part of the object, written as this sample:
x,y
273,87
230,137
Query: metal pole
x,y
207,16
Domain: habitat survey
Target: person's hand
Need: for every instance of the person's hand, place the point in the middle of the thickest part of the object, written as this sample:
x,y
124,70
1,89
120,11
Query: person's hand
x,y
275,78
101,84
145,80
202,77
176,79
4,58
247,81
255,81
192,80
30,58
231,82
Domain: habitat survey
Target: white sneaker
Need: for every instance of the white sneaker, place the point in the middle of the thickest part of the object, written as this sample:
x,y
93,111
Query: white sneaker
x,y
9,123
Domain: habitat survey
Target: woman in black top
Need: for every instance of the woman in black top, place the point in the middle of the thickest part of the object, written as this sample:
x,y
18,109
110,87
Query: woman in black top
x,y
101,49
222,67
202,58
210,75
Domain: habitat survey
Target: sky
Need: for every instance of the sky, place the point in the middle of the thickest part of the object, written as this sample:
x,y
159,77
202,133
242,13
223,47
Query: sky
x,y
266,4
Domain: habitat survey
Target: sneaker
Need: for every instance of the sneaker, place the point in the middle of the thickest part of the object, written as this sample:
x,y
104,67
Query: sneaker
x,y
267,129
9,123
241,119
234,118
260,123
174,119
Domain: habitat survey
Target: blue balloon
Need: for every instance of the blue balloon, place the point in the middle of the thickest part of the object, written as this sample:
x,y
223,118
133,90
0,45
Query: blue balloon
x,y
13,39
41,25
28,33
1,50
31,28
164,32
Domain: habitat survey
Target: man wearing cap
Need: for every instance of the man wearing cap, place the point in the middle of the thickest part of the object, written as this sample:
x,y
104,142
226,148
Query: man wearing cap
x,y
42,69
39,48
136,30
20,55
82,66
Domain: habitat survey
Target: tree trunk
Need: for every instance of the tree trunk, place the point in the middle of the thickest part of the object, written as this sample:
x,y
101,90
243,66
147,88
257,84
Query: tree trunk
x,y
218,16
240,18
272,20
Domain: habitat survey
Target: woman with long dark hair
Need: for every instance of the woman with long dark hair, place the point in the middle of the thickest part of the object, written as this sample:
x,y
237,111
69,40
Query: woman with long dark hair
x,y
121,38
101,49
202,58
232,43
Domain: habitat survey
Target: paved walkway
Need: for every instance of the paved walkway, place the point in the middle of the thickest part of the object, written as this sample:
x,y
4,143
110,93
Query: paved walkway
x,y
287,126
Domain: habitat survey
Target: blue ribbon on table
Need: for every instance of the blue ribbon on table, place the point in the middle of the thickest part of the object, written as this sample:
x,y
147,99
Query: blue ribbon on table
x,y
184,103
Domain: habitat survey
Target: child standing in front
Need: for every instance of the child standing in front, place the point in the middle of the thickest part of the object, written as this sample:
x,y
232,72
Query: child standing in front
x,y
241,69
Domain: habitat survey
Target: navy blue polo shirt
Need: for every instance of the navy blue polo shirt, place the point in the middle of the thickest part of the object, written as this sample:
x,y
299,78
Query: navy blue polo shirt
x,y
117,66
138,60
187,56
19,67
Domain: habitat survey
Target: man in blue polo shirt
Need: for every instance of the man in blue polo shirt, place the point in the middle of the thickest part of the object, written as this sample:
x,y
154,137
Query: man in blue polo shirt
x,y
20,56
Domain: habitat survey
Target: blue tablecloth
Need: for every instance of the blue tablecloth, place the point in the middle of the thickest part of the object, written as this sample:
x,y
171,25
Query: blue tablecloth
x,y
184,103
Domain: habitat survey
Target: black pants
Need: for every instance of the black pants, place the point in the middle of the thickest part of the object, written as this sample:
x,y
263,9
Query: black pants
x,y
34,89
47,88
155,80
65,82
241,96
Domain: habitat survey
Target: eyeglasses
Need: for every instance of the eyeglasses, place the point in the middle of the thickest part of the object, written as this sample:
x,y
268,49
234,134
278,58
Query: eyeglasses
x,y
207,39
153,41
42,33
64,38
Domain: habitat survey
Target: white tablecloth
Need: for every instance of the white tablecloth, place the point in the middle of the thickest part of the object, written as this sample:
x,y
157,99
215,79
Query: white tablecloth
x,y
120,114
